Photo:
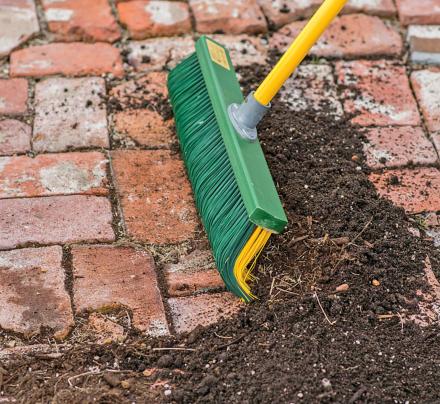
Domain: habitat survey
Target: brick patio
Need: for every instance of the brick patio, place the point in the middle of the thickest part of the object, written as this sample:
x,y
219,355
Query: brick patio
x,y
96,213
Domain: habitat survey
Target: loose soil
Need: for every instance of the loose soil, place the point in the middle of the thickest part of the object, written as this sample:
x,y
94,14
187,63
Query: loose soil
x,y
303,341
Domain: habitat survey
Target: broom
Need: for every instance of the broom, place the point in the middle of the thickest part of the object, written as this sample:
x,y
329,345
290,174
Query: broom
x,y
233,188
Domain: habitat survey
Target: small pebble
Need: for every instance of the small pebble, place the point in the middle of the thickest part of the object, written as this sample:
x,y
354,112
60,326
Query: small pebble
x,y
167,393
355,157
342,288
375,282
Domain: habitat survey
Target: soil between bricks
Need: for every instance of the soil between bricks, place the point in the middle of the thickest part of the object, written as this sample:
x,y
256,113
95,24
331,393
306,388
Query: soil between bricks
x,y
302,341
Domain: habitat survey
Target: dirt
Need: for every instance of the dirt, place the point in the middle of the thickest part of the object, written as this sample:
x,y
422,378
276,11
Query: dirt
x,y
334,322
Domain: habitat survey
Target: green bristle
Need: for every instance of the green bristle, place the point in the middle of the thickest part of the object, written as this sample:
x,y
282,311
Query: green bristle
x,y
215,189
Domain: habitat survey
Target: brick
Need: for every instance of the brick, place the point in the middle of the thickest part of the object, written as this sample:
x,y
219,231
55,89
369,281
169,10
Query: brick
x,y
53,174
416,190
143,127
81,20
193,272
381,8
202,310
424,41
70,114
377,93
151,18
107,277
70,59
104,329
397,147
13,96
418,12
18,23
156,196
349,36
228,16
54,220
15,137
159,53
426,86
436,140
32,293
244,50
312,88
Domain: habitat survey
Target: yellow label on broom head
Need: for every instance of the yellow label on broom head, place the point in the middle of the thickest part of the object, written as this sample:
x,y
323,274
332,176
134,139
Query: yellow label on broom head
x,y
218,54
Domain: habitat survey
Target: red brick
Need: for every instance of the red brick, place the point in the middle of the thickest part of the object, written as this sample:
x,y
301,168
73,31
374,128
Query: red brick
x,y
228,16
53,174
15,137
436,140
107,277
398,146
143,127
203,310
381,8
54,220
70,59
105,329
13,96
192,273
378,93
159,53
424,38
70,114
419,12
32,293
151,18
156,196
427,88
417,190
350,36
81,20
18,22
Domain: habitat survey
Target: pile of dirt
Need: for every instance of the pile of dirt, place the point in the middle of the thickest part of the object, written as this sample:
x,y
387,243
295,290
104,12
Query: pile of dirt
x,y
337,291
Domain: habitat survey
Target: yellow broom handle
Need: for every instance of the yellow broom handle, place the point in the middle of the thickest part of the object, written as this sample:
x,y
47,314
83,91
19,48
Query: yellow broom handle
x,y
298,50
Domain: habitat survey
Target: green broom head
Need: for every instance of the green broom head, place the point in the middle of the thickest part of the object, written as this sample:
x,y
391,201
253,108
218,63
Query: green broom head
x,y
233,189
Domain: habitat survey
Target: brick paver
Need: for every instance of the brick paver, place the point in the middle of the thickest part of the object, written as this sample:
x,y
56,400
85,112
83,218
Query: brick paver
x,y
32,293
155,195
18,22
398,147
76,20
54,220
53,174
13,96
70,114
377,93
15,137
112,277
151,18
348,36
71,59
424,41
419,12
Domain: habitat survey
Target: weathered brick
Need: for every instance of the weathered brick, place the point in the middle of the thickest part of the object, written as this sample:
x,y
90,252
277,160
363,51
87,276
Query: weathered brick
x,y
69,113
159,53
70,59
104,329
54,220
155,195
350,36
13,96
381,8
416,190
419,12
143,127
79,20
203,310
312,88
378,93
426,85
244,50
397,147
424,43
228,16
107,277
436,140
32,293
192,273
53,174
18,22
151,18
15,137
